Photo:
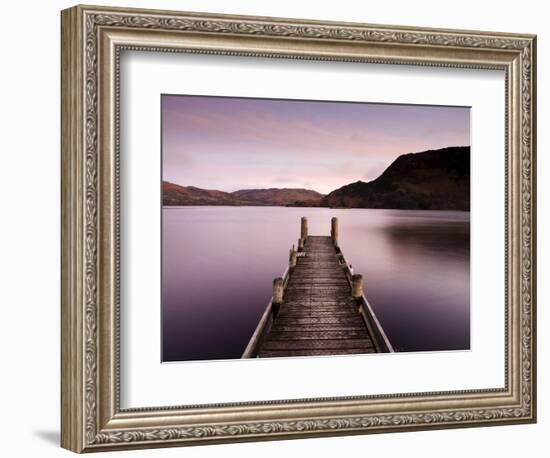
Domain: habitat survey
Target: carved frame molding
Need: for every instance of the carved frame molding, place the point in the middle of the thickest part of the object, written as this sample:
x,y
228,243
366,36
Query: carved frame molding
x,y
92,39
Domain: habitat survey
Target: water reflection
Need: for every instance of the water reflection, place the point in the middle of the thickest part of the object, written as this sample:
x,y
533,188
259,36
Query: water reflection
x,y
219,262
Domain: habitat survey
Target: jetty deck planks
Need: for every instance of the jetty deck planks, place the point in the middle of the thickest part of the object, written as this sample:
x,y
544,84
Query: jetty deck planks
x,y
318,315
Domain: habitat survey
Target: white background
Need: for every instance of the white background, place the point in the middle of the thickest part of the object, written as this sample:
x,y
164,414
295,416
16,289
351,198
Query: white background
x,y
145,76
29,242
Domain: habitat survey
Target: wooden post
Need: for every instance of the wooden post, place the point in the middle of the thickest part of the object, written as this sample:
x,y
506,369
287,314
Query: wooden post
x,y
303,228
290,252
278,290
334,230
357,286
277,296
293,258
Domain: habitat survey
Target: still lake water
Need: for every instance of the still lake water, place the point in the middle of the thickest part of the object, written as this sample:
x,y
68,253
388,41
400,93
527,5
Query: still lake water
x,y
219,263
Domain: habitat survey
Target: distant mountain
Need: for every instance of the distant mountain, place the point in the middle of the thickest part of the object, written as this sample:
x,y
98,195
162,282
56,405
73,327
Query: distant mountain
x,y
173,194
431,180
278,196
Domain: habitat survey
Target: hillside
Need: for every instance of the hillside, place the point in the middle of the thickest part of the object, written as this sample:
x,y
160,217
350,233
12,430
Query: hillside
x,y
277,196
173,194
431,180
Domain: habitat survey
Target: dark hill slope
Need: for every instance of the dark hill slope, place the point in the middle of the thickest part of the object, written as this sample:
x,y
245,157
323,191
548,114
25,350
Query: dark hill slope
x,y
279,196
431,180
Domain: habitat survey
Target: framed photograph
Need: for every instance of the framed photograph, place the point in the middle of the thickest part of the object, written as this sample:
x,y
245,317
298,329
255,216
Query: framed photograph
x,y
278,228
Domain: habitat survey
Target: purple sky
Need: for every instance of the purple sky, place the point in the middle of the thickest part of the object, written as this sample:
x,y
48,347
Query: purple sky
x,y
235,143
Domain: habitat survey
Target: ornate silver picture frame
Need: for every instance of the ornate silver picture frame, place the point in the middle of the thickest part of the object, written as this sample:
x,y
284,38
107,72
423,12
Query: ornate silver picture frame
x,y
93,39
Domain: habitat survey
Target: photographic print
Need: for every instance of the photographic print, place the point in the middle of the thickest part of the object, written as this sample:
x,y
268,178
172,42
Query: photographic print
x,y
304,228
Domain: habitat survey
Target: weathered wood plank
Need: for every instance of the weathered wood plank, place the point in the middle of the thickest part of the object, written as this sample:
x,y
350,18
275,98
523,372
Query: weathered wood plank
x,y
324,320
320,327
318,334
308,311
309,352
297,314
329,344
317,301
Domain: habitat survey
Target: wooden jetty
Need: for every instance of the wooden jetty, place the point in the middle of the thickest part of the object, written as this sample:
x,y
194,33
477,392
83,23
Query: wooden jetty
x,y
318,306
